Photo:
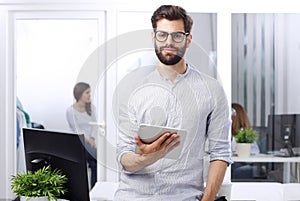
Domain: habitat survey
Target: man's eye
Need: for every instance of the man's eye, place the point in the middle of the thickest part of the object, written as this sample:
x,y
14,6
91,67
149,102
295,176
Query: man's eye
x,y
177,35
162,35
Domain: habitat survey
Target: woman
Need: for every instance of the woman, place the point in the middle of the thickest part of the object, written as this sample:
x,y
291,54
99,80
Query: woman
x,y
240,120
78,117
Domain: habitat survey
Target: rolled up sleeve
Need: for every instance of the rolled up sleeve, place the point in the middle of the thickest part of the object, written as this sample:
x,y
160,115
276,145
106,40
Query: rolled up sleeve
x,y
219,127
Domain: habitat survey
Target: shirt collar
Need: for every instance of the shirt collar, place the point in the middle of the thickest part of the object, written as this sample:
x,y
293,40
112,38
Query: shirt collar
x,y
179,76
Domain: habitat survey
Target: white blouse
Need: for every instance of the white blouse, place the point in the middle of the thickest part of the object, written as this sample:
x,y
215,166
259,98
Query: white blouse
x,y
79,122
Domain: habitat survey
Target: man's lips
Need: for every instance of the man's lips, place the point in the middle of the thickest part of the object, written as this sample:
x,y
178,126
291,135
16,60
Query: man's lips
x,y
169,50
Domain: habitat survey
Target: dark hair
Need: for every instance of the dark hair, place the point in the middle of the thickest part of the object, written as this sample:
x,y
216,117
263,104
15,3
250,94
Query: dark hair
x,y
78,90
171,12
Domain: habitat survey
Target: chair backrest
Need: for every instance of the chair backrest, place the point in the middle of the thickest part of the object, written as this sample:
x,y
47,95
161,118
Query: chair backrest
x,y
262,144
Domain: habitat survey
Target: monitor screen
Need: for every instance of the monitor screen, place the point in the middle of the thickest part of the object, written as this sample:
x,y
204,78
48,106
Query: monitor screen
x,y
283,130
64,151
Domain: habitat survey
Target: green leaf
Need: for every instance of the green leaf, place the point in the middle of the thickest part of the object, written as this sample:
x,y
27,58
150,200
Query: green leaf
x,y
246,135
43,182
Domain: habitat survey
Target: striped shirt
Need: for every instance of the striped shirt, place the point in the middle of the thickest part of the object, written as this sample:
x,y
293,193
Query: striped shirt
x,y
194,102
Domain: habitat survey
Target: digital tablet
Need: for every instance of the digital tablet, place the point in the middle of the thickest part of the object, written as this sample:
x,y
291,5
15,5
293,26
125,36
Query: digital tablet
x,y
150,133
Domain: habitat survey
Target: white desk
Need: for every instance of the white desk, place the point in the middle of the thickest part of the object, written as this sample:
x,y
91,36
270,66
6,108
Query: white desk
x,y
264,191
268,158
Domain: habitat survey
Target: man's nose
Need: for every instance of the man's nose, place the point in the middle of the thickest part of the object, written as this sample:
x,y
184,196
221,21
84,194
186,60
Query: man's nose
x,y
169,39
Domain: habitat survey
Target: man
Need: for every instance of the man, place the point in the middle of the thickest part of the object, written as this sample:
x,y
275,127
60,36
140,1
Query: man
x,y
174,95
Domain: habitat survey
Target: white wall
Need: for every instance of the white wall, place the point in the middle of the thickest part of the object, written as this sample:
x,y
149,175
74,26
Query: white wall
x,y
49,55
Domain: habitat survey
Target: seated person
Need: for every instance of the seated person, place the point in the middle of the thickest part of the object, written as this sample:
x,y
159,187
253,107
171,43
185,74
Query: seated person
x,y
78,116
240,120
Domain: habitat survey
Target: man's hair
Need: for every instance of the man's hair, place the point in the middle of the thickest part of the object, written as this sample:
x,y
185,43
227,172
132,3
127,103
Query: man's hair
x,y
171,12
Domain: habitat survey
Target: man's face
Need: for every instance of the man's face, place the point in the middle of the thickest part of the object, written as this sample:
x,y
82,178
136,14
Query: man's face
x,y
170,52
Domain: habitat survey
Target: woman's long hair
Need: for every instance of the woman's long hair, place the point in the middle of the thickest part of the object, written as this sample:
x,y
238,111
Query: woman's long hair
x,y
78,90
239,118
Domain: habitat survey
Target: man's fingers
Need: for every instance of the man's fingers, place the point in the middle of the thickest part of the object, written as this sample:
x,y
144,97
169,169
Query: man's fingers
x,y
167,142
161,139
175,143
170,139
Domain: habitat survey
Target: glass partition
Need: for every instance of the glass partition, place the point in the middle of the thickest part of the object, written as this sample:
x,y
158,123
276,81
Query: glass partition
x,y
265,53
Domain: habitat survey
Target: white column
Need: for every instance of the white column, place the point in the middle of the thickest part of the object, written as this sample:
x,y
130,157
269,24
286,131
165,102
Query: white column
x,y
224,62
7,107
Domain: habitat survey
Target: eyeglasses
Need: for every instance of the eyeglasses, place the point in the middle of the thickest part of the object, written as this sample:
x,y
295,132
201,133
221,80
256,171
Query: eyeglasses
x,y
177,37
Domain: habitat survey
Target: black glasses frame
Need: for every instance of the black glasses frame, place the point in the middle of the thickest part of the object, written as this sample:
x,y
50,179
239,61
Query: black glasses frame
x,y
173,34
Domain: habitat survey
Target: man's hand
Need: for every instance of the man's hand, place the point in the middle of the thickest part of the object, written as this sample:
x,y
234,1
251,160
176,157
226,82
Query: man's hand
x,y
92,142
163,145
149,153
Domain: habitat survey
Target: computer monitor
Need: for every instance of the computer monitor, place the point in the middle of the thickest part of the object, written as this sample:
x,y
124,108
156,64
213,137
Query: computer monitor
x,y
64,151
283,131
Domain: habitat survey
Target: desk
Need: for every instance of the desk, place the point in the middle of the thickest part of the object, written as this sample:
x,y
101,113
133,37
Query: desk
x,y
264,191
269,158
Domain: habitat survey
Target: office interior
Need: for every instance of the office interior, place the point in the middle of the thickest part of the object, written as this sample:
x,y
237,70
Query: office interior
x,y
264,60
46,47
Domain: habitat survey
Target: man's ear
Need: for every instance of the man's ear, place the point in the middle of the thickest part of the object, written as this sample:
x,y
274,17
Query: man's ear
x,y
189,40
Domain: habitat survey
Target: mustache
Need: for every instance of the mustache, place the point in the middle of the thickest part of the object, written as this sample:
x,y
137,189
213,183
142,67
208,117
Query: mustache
x,y
168,46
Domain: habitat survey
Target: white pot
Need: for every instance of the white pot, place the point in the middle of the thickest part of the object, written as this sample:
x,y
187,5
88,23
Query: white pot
x,y
243,149
34,199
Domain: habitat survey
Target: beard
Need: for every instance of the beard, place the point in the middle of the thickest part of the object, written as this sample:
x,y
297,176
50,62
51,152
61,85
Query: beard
x,y
170,59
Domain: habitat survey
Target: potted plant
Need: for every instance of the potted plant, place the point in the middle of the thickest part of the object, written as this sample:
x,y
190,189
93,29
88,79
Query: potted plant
x,y
244,138
41,183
